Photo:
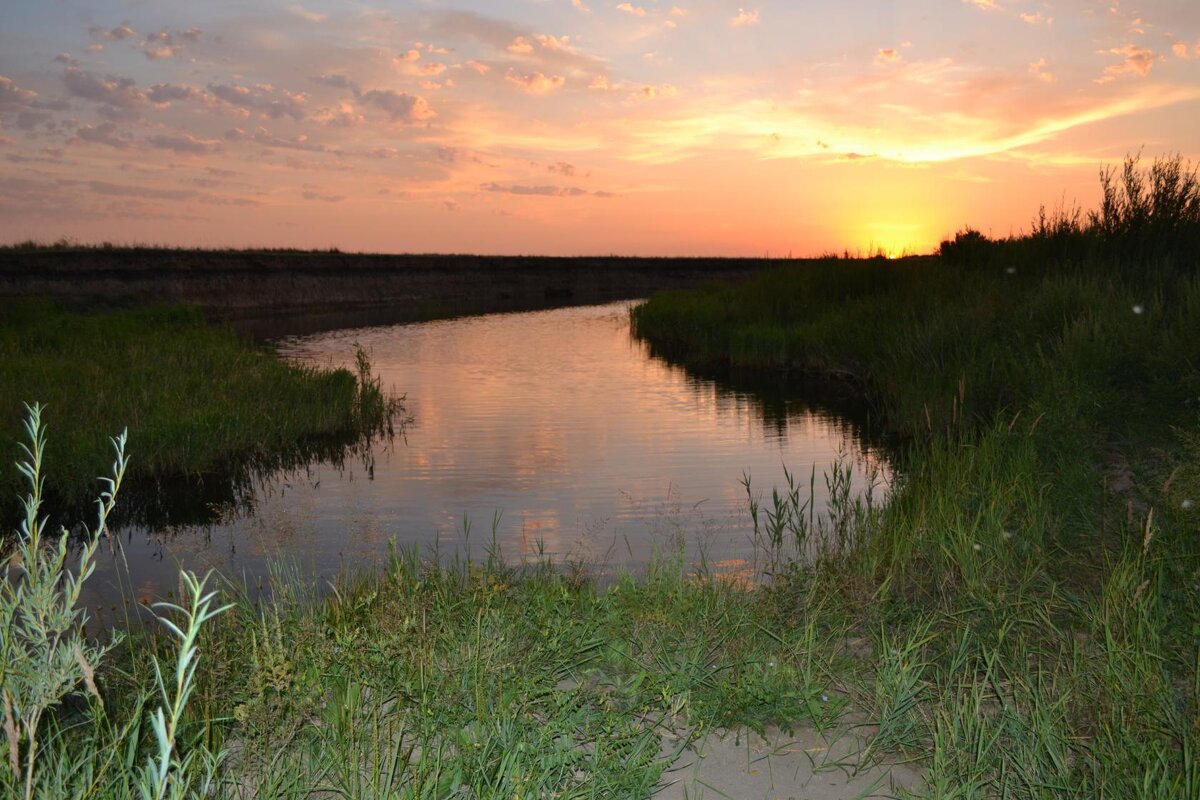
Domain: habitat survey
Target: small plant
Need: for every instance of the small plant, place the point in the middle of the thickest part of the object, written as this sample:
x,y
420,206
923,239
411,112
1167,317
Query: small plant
x,y
47,749
43,655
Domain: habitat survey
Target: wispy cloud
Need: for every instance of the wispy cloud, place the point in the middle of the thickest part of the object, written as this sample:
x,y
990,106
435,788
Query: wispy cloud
x,y
1134,60
543,191
630,8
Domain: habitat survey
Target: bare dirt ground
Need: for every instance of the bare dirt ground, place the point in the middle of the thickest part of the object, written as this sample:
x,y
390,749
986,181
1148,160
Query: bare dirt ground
x,y
801,765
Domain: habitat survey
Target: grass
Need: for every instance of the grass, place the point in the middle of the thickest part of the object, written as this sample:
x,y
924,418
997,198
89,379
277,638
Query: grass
x,y
199,399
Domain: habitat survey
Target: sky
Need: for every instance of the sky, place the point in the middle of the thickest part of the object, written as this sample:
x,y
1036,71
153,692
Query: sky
x,y
578,127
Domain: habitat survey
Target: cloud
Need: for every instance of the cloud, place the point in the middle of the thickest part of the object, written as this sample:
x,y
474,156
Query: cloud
x,y
28,120
119,33
1133,59
560,44
183,144
13,96
408,57
308,194
520,46
563,168
1037,18
887,55
1038,70
536,82
650,92
167,44
542,191
120,190
67,59
1184,51
262,98
265,138
983,5
630,8
600,83
744,18
400,106
304,14
579,4
120,96
105,133
479,66
162,94
338,82
343,115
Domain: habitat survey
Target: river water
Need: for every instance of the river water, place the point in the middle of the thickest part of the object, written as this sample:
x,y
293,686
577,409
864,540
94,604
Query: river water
x,y
542,434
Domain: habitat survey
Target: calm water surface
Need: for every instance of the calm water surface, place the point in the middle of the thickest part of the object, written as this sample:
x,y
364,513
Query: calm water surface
x,y
557,429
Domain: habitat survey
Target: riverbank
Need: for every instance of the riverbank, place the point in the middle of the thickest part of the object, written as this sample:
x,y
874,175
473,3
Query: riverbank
x,y
198,399
237,284
1037,570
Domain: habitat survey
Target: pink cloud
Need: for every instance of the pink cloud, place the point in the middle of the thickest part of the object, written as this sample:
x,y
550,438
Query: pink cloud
x,y
1037,18
630,8
984,5
887,55
536,82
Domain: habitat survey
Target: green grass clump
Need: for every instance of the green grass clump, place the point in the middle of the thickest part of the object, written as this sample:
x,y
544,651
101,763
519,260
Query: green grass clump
x,y
197,397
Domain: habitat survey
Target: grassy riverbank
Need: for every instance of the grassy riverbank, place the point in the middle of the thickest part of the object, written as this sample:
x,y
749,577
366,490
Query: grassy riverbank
x,y
1038,566
196,398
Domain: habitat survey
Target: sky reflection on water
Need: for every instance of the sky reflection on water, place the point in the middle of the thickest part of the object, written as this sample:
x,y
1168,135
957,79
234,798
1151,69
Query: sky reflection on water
x,y
556,428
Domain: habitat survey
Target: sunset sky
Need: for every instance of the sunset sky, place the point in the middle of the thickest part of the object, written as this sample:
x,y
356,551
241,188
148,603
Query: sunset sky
x,y
684,127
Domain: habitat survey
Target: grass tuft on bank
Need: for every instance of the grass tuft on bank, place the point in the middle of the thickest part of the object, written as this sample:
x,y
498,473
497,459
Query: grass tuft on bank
x,y
196,397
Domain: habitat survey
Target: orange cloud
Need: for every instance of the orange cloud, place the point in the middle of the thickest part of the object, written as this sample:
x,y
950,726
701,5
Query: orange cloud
x,y
1038,70
887,55
519,45
1134,59
630,8
985,5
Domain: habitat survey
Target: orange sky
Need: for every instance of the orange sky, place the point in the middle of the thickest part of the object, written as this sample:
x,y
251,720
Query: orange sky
x,y
576,126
